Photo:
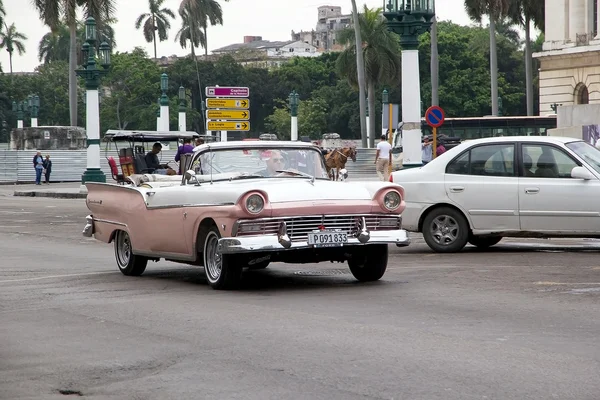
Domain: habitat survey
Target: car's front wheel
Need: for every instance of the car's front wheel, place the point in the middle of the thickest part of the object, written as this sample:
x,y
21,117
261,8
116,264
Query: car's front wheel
x,y
445,230
369,263
483,242
129,264
222,270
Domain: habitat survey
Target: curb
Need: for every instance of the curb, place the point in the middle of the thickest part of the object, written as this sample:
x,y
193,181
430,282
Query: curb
x,y
56,195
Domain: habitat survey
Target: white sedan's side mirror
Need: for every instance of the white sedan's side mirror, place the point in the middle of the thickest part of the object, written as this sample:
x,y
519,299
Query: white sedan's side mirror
x,y
581,173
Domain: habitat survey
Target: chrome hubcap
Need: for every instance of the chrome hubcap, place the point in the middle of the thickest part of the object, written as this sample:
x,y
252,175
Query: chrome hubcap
x,y
123,248
212,257
444,230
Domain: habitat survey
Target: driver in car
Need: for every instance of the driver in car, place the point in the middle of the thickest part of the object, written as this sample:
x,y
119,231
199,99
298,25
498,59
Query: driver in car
x,y
274,163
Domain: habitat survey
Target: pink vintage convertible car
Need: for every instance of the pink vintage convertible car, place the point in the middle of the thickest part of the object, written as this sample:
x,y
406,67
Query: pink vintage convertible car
x,y
244,205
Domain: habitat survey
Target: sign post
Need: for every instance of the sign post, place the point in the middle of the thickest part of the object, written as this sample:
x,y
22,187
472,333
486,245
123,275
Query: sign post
x,y
435,118
227,109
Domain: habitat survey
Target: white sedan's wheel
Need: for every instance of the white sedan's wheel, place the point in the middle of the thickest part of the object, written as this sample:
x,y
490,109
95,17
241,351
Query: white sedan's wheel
x,y
221,270
445,230
129,264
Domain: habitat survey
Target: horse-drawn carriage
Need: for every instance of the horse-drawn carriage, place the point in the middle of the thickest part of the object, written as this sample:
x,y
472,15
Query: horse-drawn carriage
x,y
336,152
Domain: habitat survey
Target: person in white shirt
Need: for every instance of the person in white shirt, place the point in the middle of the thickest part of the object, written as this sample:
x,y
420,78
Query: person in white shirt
x,y
426,151
383,159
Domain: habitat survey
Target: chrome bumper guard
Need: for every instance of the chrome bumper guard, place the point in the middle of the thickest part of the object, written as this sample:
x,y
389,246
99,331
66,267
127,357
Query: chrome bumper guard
x,y
88,231
281,241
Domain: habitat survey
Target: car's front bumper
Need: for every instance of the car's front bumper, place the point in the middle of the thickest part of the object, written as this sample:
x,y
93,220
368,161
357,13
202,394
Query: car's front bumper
x,y
272,243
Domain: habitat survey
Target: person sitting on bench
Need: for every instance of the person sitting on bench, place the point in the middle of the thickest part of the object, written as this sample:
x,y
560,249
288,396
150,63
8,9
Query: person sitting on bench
x,y
154,164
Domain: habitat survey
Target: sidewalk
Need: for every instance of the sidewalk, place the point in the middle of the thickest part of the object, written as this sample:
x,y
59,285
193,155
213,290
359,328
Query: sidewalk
x,y
69,190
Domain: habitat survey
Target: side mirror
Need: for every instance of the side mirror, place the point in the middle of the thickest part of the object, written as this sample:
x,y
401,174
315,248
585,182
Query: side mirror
x,y
344,173
582,173
190,175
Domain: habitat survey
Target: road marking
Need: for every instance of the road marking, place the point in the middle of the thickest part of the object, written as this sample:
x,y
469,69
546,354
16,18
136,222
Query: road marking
x,y
566,283
54,276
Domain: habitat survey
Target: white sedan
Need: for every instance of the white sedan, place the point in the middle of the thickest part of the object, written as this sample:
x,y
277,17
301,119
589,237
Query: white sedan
x,y
487,189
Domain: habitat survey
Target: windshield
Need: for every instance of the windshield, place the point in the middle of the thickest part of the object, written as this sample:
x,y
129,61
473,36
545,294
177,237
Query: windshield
x,y
260,162
587,152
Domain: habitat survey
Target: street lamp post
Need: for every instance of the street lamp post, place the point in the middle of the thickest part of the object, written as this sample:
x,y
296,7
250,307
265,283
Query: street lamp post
x,y
385,99
34,106
158,126
91,73
409,19
368,125
294,113
19,108
182,121
164,103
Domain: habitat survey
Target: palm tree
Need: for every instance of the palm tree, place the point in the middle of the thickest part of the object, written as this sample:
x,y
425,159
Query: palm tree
x,y
11,39
56,12
523,12
495,9
205,12
2,13
54,45
381,55
156,20
190,31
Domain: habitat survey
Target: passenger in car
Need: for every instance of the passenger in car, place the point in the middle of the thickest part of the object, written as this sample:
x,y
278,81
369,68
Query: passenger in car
x,y
527,165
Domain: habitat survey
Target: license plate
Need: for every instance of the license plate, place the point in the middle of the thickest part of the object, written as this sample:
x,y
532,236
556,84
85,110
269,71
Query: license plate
x,y
327,238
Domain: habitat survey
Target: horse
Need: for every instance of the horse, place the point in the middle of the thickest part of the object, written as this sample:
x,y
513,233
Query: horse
x,y
336,159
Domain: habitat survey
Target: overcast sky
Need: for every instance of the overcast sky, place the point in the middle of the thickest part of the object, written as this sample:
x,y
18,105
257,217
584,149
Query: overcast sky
x,y
273,20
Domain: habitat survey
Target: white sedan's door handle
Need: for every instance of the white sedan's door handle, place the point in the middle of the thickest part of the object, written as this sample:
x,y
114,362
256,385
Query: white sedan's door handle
x,y
456,189
532,190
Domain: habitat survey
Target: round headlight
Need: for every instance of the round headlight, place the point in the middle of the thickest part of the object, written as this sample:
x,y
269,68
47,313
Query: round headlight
x,y
255,204
391,200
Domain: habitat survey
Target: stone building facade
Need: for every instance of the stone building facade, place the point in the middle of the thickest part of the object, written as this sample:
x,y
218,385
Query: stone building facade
x,y
569,71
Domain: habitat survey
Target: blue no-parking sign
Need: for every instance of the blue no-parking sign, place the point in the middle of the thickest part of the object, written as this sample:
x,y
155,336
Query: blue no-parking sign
x,y
434,116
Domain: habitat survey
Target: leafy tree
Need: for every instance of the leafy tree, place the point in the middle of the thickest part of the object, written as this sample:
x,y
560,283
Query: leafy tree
x,y
381,52
312,119
11,40
496,10
134,83
523,12
56,12
157,20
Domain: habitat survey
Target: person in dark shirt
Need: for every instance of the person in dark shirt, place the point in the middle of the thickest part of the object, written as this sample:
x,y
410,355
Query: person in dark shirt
x,y
152,162
187,148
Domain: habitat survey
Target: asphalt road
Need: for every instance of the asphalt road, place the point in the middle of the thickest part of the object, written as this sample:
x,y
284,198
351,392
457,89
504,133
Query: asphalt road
x,y
519,322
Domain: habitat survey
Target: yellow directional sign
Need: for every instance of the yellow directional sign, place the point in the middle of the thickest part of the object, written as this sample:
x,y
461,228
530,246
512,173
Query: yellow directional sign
x,y
228,126
228,103
228,114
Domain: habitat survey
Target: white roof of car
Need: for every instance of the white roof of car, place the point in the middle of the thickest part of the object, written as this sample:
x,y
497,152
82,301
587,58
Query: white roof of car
x,y
547,139
255,144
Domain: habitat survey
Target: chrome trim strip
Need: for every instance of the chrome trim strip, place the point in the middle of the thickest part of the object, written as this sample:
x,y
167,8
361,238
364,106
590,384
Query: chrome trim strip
x,y
187,205
391,214
109,222
270,243
172,256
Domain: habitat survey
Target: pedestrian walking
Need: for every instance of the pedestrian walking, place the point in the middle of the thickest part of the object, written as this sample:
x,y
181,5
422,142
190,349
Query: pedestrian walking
x,y
383,159
38,164
47,169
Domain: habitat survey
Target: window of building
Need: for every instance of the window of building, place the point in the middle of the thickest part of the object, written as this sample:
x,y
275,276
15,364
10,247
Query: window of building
x,y
581,94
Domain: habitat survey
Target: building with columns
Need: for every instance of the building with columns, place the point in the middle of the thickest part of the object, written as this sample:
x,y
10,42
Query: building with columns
x,y
569,71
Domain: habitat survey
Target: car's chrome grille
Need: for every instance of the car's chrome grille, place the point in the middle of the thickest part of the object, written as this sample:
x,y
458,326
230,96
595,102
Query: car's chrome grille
x,y
298,228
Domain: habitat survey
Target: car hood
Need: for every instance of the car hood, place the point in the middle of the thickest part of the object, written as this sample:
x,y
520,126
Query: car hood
x,y
277,190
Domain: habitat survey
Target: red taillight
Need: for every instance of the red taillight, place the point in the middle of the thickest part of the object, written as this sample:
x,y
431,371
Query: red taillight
x,y
391,178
